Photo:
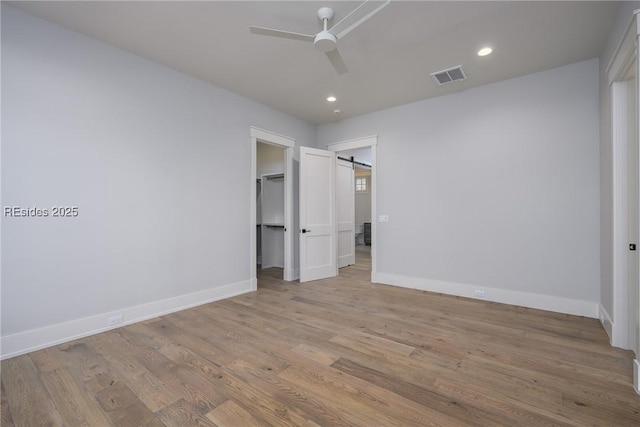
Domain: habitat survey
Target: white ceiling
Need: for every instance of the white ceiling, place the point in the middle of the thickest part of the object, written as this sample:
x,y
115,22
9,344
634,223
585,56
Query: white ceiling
x,y
390,57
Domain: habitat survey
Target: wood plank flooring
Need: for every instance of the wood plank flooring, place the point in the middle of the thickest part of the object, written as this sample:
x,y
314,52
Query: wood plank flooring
x,y
337,352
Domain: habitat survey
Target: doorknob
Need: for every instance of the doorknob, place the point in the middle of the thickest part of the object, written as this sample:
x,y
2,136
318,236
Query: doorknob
x,y
304,230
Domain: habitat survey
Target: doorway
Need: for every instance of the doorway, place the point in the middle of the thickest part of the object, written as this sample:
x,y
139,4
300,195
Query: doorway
x,y
318,217
270,185
360,161
287,222
364,154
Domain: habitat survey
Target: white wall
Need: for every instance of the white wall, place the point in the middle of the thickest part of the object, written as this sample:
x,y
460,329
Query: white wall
x,y
624,15
158,164
494,189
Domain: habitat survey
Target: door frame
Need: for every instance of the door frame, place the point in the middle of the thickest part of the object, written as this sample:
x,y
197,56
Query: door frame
x,y
288,144
351,191
621,323
367,141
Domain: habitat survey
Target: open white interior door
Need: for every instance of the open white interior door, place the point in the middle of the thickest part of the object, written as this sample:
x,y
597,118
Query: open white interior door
x,y
345,189
318,241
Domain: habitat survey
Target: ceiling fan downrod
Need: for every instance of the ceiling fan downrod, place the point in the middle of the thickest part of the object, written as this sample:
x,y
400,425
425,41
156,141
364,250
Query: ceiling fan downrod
x,y
324,41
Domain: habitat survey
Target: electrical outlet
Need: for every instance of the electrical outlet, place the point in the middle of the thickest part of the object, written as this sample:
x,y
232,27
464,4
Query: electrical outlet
x,y
111,321
383,218
479,294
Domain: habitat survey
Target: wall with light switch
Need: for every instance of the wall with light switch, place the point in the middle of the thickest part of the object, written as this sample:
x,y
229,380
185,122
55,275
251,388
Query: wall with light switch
x,y
492,192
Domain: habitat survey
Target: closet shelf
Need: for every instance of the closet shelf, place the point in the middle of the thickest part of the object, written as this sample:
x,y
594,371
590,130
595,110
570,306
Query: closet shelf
x,y
273,176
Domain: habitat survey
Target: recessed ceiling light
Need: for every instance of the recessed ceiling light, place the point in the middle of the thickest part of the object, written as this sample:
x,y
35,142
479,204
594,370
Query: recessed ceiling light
x,y
331,98
485,51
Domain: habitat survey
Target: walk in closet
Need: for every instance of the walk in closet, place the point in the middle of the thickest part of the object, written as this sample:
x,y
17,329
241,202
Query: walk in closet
x,y
272,221
270,206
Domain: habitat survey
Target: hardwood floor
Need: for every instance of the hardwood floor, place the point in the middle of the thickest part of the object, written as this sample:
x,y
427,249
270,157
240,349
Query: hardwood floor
x,y
333,352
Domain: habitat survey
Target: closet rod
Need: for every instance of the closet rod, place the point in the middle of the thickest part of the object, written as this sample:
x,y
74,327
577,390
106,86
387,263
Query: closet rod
x,y
355,162
274,176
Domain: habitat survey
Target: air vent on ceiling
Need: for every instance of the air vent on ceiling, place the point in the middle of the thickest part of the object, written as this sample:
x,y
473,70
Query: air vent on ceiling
x,y
449,75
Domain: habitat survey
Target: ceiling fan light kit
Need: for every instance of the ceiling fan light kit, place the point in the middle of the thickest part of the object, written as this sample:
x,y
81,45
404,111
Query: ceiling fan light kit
x,y
326,41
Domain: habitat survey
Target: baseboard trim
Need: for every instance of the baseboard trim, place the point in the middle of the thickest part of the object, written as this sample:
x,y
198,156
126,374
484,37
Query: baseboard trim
x,y
36,339
291,275
617,336
523,299
606,322
636,375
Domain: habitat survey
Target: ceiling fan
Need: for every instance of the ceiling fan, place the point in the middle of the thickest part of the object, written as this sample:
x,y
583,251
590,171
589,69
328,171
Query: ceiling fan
x,y
327,39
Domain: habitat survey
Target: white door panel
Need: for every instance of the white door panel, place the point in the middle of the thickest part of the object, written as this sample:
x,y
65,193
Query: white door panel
x,y
318,243
345,188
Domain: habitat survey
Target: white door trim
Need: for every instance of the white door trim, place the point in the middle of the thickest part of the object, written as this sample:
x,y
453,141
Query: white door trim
x,y
289,217
352,144
368,141
260,135
626,56
272,138
636,362
625,52
620,134
345,197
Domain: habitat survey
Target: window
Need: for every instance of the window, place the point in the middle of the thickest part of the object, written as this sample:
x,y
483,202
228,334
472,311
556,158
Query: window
x,y
361,185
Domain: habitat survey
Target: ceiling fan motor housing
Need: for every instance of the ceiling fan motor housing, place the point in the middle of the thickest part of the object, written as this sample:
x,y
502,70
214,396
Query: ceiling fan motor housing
x,y
325,41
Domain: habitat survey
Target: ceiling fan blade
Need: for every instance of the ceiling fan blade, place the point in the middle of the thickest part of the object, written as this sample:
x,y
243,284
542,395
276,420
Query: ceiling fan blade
x,y
337,61
282,34
335,30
